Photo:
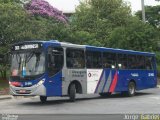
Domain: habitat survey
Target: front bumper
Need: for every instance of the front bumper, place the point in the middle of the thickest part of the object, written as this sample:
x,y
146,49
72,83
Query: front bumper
x,y
29,91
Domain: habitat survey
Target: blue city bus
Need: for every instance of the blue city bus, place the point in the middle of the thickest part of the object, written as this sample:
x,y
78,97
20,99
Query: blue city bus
x,y
52,68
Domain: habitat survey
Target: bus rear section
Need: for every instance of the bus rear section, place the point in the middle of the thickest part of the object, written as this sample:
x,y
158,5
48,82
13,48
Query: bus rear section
x,y
123,71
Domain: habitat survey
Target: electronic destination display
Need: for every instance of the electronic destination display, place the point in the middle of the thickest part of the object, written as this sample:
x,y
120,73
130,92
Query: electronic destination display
x,y
26,46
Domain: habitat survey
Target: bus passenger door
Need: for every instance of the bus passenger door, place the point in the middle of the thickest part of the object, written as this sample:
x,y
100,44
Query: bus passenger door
x,y
55,64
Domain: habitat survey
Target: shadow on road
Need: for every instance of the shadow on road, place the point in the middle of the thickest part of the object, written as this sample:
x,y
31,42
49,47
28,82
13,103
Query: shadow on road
x,y
89,97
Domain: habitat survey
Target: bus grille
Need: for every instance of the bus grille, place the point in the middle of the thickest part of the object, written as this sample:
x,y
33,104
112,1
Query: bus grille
x,y
23,92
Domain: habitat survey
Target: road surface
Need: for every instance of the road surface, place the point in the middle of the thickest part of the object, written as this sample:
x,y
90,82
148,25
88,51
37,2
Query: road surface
x,y
145,102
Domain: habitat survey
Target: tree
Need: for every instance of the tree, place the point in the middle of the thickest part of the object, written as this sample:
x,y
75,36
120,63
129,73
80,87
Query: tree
x,y
152,15
99,17
109,23
17,24
44,9
10,17
136,36
10,1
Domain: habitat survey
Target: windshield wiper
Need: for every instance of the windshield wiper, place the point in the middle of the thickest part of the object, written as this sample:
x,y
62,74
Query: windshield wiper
x,y
27,58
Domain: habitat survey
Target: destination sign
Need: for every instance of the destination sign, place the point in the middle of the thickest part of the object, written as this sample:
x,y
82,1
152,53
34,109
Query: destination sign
x,y
26,46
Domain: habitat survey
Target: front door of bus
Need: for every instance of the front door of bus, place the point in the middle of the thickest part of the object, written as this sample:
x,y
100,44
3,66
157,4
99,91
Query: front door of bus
x,y
55,64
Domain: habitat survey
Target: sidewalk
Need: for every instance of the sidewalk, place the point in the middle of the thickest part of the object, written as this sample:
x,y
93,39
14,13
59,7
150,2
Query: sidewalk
x,y
4,97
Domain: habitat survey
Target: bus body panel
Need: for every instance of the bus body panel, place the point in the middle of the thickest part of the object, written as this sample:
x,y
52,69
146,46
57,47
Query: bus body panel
x,y
110,80
54,85
72,75
143,79
29,91
93,78
96,80
101,80
31,87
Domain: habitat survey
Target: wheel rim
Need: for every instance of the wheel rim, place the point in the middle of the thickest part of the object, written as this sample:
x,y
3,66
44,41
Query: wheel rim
x,y
132,88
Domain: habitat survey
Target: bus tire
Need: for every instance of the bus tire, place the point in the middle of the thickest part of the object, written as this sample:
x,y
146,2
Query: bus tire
x,y
43,99
105,94
72,92
131,89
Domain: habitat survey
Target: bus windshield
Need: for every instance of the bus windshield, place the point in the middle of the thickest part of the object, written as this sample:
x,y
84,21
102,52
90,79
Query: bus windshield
x,y
27,64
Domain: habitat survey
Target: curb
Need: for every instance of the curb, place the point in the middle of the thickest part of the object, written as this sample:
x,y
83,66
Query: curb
x,y
4,97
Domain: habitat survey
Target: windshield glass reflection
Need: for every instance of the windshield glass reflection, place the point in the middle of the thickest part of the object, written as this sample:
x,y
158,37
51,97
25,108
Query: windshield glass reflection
x,y
27,64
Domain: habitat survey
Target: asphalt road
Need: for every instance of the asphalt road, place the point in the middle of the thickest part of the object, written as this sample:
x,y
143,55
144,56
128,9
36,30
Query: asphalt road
x,y
145,102
63,117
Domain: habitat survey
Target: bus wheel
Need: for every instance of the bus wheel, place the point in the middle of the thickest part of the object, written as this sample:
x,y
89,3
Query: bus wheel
x,y
105,94
43,99
72,92
131,89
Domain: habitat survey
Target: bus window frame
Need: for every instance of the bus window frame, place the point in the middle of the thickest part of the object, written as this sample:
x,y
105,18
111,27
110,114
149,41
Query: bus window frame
x,y
92,56
47,60
72,48
152,62
115,59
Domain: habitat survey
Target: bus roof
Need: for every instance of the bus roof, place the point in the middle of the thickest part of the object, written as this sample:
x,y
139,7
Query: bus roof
x,y
120,51
94,48
88,47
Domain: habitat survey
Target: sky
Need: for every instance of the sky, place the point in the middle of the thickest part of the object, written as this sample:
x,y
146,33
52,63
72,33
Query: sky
x,y
69,5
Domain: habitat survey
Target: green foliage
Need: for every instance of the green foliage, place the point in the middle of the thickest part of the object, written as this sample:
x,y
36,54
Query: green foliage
x,y
16,25
10,1
153,18
98,18
136,36
158,58
84,37
152,15
109,23
58,31
12,21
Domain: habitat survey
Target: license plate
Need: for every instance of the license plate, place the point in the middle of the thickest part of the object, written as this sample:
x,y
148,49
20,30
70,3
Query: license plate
x,y
22,91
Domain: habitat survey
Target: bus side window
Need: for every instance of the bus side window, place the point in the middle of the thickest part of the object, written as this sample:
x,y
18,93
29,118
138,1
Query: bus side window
x,y
132,62
55,60
149,63
109,60
140,62
94,59
122,61
75,58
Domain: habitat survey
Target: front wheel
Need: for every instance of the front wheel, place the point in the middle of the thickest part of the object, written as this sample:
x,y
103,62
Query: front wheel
x,y
131,89
72,92
43,99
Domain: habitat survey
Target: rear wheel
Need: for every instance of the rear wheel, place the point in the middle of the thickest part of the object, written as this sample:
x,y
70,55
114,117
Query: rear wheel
x,y
43,99
131,89
72,92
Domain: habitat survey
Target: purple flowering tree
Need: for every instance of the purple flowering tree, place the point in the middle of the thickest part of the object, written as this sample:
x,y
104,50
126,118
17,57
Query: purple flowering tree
x,y
44,9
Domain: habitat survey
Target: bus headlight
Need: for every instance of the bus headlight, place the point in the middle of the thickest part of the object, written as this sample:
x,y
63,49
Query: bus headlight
x,y
40,82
